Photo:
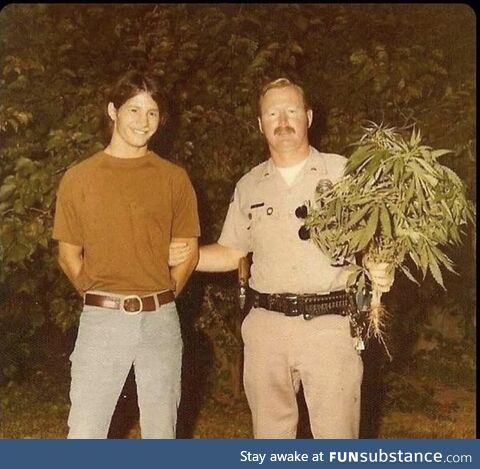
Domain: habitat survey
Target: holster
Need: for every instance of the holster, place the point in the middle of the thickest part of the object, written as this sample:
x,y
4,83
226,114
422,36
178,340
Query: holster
x,y
243,275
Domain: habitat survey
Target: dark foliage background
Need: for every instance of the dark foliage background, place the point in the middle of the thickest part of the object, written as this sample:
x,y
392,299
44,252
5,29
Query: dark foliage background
x,y
398,64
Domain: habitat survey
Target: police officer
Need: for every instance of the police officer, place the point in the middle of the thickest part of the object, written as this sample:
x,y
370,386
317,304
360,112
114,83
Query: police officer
x,y
297,330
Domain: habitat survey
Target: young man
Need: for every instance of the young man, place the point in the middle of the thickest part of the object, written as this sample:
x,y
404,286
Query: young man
x,y
298,329
116,214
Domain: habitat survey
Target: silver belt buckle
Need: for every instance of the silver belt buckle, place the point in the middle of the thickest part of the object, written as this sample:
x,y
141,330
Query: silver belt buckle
x,y
132,297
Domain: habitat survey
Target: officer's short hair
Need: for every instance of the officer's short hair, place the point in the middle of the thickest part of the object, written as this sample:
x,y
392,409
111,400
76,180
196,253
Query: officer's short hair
x,y
281,83
129,85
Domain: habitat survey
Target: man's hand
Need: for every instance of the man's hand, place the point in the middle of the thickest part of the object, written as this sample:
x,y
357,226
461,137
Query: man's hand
x,y
70,259
178,252
382,274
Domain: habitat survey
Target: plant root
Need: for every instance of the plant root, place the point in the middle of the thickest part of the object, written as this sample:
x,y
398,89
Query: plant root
x,y
377,319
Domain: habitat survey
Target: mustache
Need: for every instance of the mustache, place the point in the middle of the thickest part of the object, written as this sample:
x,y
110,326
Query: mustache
x,y
285,130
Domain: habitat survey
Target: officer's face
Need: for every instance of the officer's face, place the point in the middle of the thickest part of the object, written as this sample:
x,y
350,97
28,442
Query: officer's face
x,y
135,121
284,120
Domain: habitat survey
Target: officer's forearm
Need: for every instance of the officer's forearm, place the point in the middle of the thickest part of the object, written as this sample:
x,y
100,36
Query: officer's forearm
x,y
218,258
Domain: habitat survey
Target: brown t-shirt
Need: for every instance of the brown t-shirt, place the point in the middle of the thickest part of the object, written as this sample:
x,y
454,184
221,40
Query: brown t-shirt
x,y
124,212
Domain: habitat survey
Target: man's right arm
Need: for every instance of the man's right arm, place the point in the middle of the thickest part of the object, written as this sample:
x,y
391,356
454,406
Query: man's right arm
x,y
217,258
70,259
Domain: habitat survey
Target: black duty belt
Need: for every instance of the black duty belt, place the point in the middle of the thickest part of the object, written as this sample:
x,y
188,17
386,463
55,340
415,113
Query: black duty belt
x,y
308,305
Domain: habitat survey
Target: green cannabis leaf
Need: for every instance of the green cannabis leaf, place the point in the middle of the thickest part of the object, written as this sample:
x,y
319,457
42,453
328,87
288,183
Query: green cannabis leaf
x,y
395,201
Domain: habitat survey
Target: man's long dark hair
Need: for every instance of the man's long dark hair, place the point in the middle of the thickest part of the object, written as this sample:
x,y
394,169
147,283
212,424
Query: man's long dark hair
x,y
129,85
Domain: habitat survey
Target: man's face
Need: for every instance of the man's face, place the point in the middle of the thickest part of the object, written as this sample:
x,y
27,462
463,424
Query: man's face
x,y
284,120
135,121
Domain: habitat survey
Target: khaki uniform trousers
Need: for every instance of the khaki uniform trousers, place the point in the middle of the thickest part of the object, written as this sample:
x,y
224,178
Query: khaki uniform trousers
x,y
280,353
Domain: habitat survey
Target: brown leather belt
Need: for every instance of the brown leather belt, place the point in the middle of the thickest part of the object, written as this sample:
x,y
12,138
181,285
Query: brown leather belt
x,y
130,304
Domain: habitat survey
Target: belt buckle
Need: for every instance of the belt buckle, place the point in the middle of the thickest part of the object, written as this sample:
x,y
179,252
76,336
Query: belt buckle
x,y
132,297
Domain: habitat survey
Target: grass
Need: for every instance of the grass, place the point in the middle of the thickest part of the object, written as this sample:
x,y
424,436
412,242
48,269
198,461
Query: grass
x,y
433,396
37,408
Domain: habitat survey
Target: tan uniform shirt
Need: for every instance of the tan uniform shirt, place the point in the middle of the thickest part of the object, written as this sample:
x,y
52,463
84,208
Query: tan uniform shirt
x,y
124,212
261,219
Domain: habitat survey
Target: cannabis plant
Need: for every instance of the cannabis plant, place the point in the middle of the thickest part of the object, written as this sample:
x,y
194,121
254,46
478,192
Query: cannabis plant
x,y
396,202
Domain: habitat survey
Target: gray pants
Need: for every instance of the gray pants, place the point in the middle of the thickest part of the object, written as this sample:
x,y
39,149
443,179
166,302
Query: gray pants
x,y
108,343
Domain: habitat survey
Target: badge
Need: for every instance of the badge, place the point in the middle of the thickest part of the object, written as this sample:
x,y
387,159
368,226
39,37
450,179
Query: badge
x,y
323,185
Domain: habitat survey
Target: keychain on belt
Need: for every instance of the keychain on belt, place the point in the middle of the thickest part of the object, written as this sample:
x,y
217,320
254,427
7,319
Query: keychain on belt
x,y
358,314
